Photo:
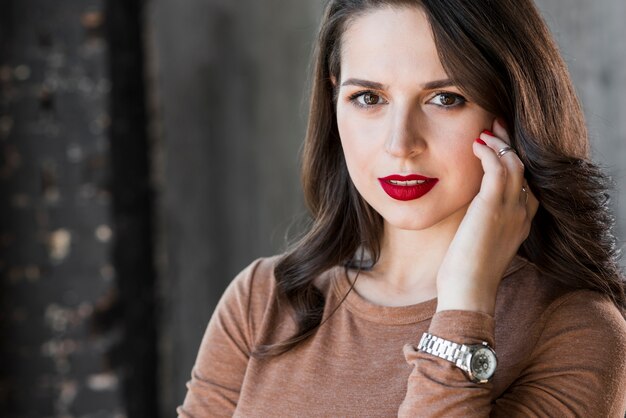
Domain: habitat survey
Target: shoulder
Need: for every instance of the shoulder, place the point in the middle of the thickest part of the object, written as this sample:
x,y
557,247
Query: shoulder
x,y
589,313
523,297
531,307
254,284
259,272
526,295
252,298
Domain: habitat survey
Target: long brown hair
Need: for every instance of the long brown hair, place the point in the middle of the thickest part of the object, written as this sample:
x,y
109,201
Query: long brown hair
x,y
500,54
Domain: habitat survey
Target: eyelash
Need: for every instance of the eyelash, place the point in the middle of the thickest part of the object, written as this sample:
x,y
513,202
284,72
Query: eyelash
x,y
353,98
460,99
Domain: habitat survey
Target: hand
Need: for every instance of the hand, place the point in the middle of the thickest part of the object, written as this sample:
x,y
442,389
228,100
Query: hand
x,y
497,221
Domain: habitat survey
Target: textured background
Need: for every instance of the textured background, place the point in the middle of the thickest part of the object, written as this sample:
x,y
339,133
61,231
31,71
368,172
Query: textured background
x,y
125,211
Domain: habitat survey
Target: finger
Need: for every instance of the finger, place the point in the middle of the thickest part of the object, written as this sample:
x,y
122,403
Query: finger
x,y
494,181
499,131
512,164
532,205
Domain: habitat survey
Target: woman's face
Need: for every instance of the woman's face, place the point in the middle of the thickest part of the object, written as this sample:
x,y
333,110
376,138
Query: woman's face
x,y
398,115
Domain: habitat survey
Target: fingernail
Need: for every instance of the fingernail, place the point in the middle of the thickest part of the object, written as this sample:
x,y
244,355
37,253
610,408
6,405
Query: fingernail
x,y
480,141
488,132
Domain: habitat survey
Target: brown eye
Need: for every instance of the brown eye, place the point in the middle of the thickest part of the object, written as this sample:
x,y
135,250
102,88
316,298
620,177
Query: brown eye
x,y
448,100
371,99
367,99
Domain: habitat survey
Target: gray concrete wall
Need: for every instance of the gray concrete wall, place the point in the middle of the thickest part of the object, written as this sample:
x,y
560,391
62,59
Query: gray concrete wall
x,y
228,82
591,37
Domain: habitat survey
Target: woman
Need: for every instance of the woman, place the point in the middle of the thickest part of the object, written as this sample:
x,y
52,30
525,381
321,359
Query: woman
x,y
460,260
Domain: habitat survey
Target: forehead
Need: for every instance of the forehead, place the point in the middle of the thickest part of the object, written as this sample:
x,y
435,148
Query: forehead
x,y
390,43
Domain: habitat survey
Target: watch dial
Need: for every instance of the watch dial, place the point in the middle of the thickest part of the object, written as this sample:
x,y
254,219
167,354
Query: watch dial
x,y
483,364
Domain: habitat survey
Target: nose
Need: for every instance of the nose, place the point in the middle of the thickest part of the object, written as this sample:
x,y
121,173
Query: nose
x,y
406,138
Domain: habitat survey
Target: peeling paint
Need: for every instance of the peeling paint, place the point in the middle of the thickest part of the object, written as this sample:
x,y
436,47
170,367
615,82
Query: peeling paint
x,y
7,239
86,86
6,126
58,318
6,74
75,153
32,273
19,315
87,191
85,310
59,348
49,182
21,201
92,19
22,72
104,86
42,220
104,233
102,382
67,395
12,161
15,274
46,98
59,244
96,128
57,60
107,272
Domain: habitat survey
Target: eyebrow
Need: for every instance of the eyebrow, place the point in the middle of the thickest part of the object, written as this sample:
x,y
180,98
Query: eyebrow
x,y
431,85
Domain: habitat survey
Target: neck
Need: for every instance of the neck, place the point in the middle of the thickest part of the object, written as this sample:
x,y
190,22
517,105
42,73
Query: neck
x,y
406,272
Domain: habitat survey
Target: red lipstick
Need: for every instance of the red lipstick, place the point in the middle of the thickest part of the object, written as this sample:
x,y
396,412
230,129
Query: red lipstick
x,y
409,187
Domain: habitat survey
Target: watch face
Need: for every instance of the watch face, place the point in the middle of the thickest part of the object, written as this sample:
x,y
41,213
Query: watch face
x,y
483,364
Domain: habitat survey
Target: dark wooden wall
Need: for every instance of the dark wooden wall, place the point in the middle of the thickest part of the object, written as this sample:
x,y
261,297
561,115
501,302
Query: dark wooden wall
x,y
56,231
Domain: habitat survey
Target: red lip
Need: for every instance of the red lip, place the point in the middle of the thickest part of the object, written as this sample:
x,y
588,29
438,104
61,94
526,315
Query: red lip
x,y
406,193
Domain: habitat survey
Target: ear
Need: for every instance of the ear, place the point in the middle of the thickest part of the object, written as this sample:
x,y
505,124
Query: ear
x,y
500,120
333,80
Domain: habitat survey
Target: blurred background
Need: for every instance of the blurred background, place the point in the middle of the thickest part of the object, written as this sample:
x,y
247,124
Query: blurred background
x,y
149,152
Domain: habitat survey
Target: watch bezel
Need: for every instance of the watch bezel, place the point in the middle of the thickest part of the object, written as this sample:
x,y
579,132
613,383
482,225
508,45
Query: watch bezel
x,y
473,351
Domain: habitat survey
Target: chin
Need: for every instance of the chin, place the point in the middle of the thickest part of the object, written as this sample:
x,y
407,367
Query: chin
x,y
411,224
411,220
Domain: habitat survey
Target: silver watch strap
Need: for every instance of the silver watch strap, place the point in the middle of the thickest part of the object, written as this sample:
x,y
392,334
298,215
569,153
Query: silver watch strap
x,y
447,350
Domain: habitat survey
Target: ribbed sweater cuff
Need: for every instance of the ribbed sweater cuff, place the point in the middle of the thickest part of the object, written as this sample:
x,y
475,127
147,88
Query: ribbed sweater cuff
x,y
465,327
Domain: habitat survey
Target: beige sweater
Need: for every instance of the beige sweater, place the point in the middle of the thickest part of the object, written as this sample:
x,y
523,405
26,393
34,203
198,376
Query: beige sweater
x,y
560,354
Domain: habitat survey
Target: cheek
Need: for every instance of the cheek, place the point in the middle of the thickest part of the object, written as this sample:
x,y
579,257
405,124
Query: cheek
x,y
469,172
358,141
457,156
357,156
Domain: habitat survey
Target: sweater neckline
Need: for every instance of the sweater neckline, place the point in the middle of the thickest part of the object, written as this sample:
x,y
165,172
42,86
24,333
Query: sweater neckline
x,y
392,315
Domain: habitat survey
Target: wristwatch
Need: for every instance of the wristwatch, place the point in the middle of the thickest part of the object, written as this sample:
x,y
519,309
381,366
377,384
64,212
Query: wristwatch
x,y
478,361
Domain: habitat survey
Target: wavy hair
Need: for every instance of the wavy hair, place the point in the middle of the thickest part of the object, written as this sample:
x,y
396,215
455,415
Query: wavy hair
x,y
501,54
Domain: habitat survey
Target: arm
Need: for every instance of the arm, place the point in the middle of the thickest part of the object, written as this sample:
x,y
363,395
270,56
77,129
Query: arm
x,y
578,366
436,387
223,356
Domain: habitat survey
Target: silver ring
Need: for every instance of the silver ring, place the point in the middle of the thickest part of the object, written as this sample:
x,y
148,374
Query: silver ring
x,y
504,150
